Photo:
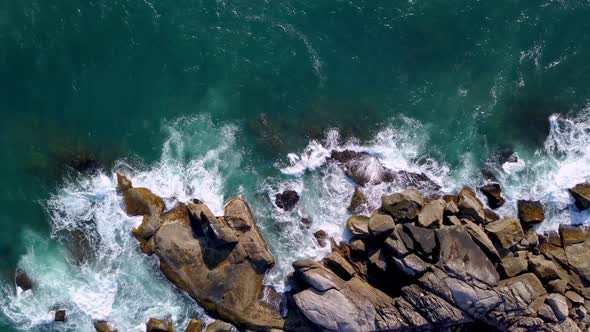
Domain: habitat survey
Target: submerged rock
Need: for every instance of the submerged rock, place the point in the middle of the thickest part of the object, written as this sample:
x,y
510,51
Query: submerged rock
x,y
322,237
22,280
60,316
530,212
287,199
581,195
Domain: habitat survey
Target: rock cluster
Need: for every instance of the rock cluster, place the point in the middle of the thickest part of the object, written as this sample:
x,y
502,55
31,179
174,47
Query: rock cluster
x,y
414,263
445,264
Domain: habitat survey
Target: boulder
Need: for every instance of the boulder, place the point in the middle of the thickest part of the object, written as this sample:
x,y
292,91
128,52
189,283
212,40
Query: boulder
x,y
581,195
220,326
60,316
481,238
558,303
358,202
507,232
139,201
287,200
493,192
158,325
530,212
194,325
545,269
470,207
558,286
339,265
514,266
574,297
461,257
22,280
322,237
570,234
395,244
123,183
358,226
381,225
432,213
578,258
403,206
357,245
424,239
102,326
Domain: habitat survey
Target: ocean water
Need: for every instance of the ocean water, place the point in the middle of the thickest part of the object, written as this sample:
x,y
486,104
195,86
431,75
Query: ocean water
x,y
210,100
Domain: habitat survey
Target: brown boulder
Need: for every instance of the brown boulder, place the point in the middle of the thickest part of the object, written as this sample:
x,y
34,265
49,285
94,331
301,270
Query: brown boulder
x,y
493,193
507,232
432,213
194,325
403,206
381,225
530,212
102,326
158,325
60,316
321,236
581,195
219,326
470,206
358,226
514,266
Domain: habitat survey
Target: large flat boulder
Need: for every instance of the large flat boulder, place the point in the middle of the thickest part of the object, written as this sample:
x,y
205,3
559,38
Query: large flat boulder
x,y
581,195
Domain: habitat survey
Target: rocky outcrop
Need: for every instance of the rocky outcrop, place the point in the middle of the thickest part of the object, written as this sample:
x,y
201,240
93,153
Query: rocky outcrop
x,y
194,325
437,276
159,325
358,202
287,199
102,326
218,261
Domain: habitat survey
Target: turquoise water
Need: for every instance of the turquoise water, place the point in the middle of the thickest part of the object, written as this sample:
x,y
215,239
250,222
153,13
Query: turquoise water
x,y
213,99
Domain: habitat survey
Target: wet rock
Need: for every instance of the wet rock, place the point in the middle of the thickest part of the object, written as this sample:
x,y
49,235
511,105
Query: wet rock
x,y
381,225
220,326
507,232
470,207
514,266
102,326
306,222
322,237
493,193
490,216
530,212
194,325
358,245
60,316
403,206
123,183
139,201
287,199
22,280
432,213
581,195
358,202
358,226
558,303
158,325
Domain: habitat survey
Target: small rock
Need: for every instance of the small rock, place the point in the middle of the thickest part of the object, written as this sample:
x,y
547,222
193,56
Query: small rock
x,y
558,303
358,201
219,326
60,316
403,206
530,212
507,232
287,200
574,297
432,213
358,245
381,225
558,286
491,216
321,236
123,183
581,195
358,226
102,326
493,193
451,208
470,206
514,266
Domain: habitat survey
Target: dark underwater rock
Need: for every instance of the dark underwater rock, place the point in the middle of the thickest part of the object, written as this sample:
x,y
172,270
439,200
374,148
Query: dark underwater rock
x,y
493,193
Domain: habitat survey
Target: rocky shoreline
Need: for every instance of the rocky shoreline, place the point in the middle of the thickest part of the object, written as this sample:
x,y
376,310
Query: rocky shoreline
x,y
416,263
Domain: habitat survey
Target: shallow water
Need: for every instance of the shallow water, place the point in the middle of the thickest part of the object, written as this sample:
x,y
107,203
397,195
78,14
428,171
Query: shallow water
x,y
212,100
